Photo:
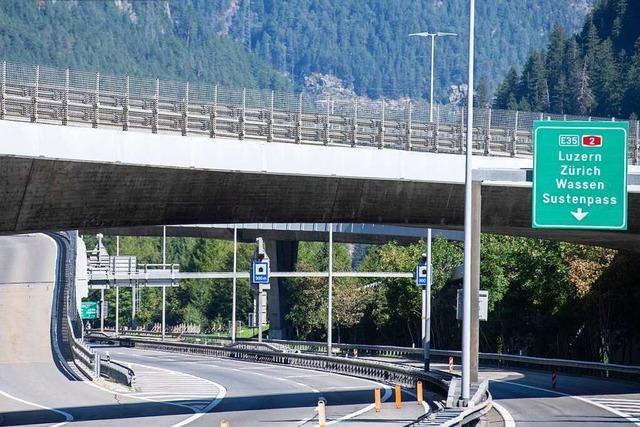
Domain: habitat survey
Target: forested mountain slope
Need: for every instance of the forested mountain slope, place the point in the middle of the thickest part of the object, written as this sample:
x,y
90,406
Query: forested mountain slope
x,y
271,43
596,72
365,43
171,40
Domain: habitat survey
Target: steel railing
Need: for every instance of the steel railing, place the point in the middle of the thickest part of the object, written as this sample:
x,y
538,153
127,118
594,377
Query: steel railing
x,y
415,353
374,370
378,371
117,371
42,94
67,322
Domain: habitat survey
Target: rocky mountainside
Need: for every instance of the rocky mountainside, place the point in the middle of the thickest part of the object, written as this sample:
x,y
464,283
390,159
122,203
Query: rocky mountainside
x,y
278,44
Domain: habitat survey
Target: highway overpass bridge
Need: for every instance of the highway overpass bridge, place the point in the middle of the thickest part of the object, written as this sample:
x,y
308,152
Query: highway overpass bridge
x,y
201,154
56,177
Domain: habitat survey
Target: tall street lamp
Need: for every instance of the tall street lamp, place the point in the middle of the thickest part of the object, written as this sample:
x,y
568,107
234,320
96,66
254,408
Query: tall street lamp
x,y
433,44
426,291
466,316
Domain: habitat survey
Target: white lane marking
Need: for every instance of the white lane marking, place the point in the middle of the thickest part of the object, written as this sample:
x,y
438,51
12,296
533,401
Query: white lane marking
x,y
633,420
629,407
385,397
506,416
425,405
213,404
198,412
615,399
256,368
246,370
67,416
303,376
220,391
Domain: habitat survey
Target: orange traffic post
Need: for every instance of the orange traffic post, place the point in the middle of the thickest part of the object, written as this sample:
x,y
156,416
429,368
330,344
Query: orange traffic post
x,y
322,414
224,423
419,392
398,396
377,399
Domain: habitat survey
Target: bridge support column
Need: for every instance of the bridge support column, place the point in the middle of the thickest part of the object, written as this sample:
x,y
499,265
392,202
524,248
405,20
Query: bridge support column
x,y
283,256
476,222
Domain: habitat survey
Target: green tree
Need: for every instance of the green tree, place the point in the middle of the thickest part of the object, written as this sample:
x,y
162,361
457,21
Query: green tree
x,y
309,306
507,91
533,84
605,78
556,70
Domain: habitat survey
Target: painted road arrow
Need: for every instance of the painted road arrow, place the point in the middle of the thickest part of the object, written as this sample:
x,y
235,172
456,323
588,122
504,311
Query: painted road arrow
x,y
578,214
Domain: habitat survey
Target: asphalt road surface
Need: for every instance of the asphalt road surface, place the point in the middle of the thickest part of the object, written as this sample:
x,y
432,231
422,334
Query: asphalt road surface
x,y
176,389
33,391
272,395
171,390
525,398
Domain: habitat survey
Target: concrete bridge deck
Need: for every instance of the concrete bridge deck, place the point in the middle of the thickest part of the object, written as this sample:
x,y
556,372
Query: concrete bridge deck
x,y
58,177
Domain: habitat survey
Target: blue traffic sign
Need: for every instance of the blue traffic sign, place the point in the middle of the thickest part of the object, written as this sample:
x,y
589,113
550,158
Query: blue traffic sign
x,y
260,271
422,275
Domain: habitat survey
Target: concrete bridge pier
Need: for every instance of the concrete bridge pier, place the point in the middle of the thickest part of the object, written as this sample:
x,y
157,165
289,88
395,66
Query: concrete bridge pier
x,y
283,256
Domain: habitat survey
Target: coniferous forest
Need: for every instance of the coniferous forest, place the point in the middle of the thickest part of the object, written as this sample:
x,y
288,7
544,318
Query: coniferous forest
x,y
595,72
276,44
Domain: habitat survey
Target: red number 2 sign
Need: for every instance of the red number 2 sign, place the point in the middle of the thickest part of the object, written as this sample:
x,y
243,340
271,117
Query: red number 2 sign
x,y
592,140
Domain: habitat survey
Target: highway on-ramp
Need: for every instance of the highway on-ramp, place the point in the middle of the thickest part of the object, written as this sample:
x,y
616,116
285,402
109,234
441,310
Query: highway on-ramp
x,y
33,390
274,395
527,399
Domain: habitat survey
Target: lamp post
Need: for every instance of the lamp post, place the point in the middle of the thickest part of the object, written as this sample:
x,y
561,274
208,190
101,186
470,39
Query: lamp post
x,y
466,316
433,52
426,292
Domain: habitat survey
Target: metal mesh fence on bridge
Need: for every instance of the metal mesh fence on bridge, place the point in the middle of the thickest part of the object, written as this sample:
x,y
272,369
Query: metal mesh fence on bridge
x,y
56,95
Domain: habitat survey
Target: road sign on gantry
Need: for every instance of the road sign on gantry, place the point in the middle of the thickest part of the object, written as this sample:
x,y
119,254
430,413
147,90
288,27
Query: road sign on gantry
x,y
422,274
260,271
89,310
580,175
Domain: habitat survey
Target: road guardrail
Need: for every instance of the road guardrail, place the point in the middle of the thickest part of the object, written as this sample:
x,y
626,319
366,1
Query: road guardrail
x,y
378,371
416,353
88,362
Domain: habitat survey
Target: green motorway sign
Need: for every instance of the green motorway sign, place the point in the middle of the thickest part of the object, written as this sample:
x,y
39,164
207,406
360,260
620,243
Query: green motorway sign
x,y
89,310
580,175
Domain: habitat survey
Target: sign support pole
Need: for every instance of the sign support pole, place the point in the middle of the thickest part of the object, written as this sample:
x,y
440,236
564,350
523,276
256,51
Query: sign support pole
x,y
164,288
260,293
235,271
475,277
330,305
466,317
102,310
133,305
426,309
117,290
